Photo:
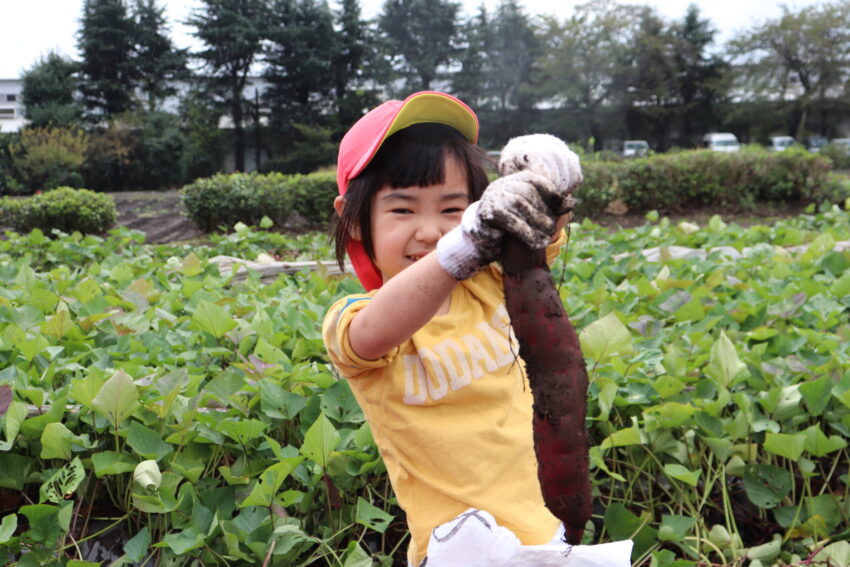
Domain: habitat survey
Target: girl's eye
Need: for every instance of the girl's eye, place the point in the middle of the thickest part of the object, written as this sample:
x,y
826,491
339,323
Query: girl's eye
x,y
402,211
453,210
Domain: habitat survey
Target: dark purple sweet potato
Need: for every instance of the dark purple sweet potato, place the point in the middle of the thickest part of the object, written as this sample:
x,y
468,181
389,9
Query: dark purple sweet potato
x,y
549,345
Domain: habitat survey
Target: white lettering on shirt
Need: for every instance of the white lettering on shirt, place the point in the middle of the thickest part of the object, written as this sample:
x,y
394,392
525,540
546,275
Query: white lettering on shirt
x,y
455,362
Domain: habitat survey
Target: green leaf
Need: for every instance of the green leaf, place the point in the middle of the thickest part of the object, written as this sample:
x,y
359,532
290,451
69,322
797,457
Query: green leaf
x,y
268,485
320,440
622,438
213,319
109,462
279,403
816,394
766,485
841,287
15,416
680,473
62,483
8,527
137,547
837,553
817,443
724,362
14,470
622,524
56,441
147,442
675,528
184,541
242,431
356,556
44,523
117,398
785,445
371,516
604,337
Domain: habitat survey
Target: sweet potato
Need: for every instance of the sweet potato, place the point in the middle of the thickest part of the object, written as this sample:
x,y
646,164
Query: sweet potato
x,y
549,345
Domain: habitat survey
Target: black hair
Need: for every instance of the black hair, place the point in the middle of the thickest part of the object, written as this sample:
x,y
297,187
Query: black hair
x,y
412,157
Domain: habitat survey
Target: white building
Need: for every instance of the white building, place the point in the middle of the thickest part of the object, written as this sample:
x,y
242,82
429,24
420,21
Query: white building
x,y
11,105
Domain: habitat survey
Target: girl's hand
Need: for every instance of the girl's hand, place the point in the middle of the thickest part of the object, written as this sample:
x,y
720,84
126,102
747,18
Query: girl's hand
x,y
547,156
469,246
525,205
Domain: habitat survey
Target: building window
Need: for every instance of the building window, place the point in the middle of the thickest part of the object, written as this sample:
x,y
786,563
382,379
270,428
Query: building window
x,y
7,113
11,98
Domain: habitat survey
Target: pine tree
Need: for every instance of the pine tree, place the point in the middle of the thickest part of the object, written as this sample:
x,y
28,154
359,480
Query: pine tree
x,y
48,91
105,40
158,64
232,32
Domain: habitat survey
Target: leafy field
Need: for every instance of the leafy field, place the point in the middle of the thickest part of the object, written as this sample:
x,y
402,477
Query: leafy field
x,y
151,402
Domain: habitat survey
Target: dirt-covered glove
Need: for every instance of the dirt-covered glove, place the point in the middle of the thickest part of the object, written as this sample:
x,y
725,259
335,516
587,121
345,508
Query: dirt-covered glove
x,y
469,246
524,204
548,156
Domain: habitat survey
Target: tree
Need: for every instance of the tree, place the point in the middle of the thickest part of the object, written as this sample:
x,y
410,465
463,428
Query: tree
x,y
802,56
232,32
299,60
650,82
356,64
157,63
701,77
48,90
584,59
469,83
105,40
422,32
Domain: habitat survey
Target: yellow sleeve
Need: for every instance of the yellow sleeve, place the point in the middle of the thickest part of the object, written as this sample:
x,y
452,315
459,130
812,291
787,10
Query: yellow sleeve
x,y
335,336
554,248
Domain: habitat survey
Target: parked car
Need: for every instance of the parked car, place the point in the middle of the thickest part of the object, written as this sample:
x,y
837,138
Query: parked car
x,y
815,143
779,143
842,142
635,148
721,142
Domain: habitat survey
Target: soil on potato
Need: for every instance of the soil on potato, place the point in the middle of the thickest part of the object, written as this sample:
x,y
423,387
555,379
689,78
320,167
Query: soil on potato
x,y
162,217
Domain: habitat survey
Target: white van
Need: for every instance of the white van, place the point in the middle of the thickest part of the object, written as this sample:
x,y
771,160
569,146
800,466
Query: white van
x,y
721,142
635,148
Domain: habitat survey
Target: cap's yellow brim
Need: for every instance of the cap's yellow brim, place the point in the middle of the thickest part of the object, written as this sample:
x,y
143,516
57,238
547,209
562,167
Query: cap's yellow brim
x,y
435,108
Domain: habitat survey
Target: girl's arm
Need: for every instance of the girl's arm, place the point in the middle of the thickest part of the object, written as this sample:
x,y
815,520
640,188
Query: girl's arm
x,y
400,308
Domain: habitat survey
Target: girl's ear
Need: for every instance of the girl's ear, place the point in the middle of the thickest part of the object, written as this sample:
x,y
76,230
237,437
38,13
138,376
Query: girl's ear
x,y
339,205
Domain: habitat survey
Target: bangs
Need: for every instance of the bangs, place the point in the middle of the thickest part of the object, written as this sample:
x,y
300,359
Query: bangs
x,y
415,157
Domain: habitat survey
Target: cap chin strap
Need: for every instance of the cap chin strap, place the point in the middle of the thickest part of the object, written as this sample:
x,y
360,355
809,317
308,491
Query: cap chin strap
x,y
365,269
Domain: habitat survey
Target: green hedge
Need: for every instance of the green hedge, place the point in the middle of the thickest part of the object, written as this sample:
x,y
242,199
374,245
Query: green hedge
x,y
702,177
223,200
64,208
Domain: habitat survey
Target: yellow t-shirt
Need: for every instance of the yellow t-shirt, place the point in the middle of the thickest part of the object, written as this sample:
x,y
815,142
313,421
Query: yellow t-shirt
x,y
450,411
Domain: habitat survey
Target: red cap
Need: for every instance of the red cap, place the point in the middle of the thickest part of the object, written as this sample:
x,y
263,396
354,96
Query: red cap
x,y
362,141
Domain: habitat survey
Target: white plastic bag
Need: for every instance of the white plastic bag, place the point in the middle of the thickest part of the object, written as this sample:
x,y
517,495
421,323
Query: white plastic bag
x,y
474,539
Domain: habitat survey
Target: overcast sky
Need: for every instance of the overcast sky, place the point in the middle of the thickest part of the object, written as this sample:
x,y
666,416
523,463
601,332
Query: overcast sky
x,y
32,28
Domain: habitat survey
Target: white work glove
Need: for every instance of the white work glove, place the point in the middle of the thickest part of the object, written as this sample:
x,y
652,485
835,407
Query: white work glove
x,y
469,246
539,173
525,205
545,155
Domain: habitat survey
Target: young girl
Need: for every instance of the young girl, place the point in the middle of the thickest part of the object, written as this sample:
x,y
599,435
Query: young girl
x,y
428,349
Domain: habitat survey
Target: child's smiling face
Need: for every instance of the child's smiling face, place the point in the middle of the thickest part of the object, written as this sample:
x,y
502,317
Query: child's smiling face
x,y
408,222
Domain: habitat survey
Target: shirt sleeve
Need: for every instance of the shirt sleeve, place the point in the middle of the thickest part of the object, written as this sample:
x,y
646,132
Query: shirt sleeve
x,y
553,249
335,336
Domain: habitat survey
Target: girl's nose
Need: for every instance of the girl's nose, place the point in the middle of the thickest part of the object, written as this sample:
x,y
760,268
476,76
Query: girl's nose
x,y
429,232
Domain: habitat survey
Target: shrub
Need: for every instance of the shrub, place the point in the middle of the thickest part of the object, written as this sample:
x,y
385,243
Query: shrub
x,y
314,196
225,199
697,178
45,158
65,208
839,154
